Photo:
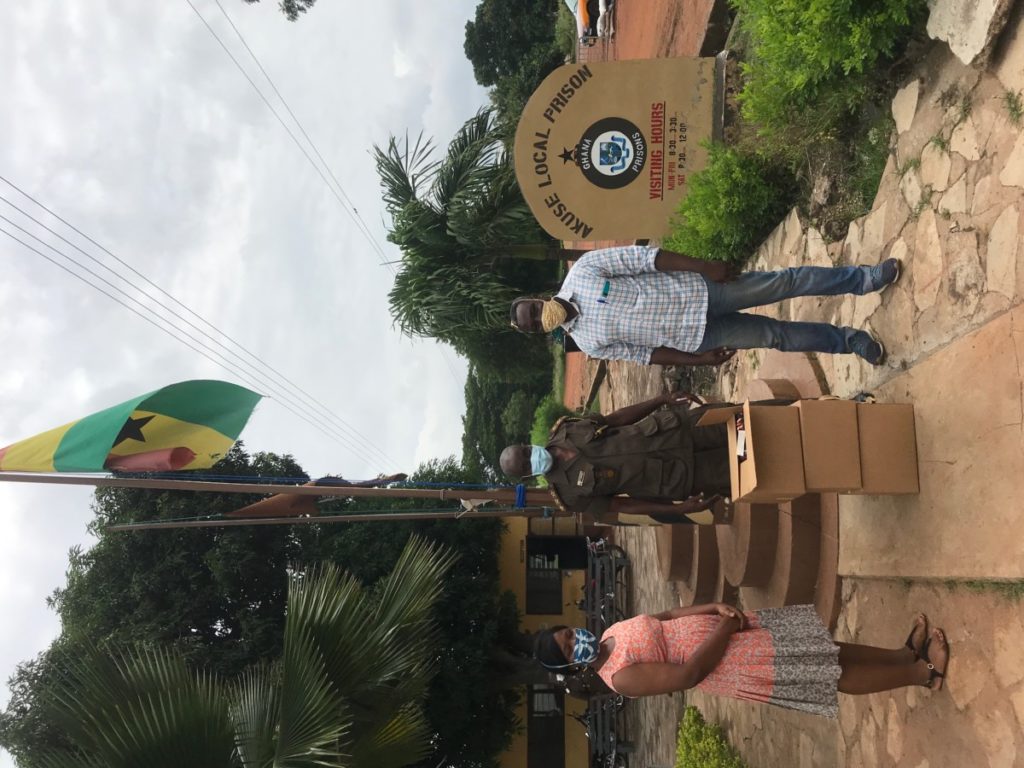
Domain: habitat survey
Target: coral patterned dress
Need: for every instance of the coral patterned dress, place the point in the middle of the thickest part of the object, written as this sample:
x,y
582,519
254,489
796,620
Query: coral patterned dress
x,y
784,656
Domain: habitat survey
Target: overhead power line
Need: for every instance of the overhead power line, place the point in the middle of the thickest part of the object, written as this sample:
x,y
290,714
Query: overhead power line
x,y
278,379
252,375
338,192
355,211
204,349
346,203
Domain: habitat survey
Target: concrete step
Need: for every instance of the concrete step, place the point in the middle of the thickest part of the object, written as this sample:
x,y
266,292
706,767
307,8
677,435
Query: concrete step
x,y
675,551
724,591
771,389
688,555
701,583
828,589
797,552
790,371
746,545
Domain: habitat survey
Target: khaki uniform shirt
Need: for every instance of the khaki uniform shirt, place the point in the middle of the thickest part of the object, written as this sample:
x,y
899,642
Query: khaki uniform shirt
x,y
651,459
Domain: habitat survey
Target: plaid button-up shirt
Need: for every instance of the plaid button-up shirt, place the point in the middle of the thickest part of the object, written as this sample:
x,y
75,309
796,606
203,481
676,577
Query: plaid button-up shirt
x,y
627,308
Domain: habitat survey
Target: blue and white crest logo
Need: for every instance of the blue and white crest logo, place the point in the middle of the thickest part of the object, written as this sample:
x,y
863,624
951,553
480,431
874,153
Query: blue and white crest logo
x,y
614,153
611,153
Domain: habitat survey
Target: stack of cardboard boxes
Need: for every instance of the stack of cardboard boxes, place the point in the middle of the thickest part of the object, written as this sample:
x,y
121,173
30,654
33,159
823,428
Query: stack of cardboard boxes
x,y
780,452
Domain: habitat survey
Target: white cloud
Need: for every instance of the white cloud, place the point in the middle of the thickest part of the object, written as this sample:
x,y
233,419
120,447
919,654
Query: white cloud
x,y
402,64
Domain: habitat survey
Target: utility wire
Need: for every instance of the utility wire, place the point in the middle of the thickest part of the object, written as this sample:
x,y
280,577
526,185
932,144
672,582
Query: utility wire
x,y
364,227
305,398
350,209
341,200
175,333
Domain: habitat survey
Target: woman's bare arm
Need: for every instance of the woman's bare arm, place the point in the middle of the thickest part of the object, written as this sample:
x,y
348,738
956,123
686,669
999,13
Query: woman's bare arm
x,y
651,679
692,610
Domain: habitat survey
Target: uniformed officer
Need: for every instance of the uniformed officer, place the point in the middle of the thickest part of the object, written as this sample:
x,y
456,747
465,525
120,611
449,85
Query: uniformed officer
x,y
636,465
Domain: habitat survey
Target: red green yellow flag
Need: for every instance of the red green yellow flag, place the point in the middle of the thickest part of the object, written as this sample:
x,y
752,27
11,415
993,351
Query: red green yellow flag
x,y
189,425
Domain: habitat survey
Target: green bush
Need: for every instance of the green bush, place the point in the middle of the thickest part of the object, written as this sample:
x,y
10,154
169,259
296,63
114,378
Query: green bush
x,y
871,153
565,33
730,206
517,416
805,53
549,410
702,745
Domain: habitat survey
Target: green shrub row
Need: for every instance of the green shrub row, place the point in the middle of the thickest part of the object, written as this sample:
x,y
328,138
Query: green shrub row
x,y
730,205
806,51
549,410
702,744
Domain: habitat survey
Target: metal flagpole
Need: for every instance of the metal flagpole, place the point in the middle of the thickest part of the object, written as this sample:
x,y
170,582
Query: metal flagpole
x,y
367,517
528,502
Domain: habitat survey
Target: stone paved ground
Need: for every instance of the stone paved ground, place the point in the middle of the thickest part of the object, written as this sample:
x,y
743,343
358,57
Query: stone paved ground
x,y
951,205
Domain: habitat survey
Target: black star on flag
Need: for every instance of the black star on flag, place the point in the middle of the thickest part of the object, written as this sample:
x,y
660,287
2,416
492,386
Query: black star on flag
x,y
132,430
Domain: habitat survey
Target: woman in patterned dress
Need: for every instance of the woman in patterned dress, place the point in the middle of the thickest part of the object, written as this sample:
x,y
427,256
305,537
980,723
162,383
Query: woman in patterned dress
x,y
781,656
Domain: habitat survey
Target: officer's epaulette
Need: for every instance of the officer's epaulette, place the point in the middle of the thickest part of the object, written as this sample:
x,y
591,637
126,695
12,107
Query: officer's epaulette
x,y
557,499
569,419
560,421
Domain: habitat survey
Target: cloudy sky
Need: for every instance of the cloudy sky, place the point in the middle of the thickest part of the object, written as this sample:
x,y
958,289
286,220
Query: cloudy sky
x,y
131,122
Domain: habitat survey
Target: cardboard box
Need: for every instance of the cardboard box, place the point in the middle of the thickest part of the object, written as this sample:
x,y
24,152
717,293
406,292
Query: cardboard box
x,y
830,443
888,448
773,469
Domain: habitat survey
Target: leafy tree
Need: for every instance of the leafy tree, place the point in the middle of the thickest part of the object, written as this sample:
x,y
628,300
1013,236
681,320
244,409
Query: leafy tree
x,y
507,37
452,218
517,416
291,8
217,597
806,55
471,700
517,358
24,730
347,690
216,594
484,433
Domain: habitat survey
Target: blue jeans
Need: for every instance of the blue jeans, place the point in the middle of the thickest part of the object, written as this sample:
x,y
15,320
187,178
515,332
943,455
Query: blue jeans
x,y
728,327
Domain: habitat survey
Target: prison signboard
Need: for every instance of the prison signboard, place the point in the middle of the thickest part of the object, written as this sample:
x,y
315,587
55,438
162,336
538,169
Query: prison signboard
x,y
603,150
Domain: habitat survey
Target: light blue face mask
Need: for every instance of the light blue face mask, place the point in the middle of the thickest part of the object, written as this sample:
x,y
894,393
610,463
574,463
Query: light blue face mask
x,y
540,460
585,649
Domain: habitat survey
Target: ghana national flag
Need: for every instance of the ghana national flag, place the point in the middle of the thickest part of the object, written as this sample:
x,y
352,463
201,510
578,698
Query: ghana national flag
x,y
189,425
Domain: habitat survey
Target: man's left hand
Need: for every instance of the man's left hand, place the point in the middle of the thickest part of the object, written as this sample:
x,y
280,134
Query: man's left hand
x,y
715,356
721,271
697,503
681,398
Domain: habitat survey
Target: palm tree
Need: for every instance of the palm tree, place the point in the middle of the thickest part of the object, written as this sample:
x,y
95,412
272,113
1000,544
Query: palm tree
x,y
346,691
462,226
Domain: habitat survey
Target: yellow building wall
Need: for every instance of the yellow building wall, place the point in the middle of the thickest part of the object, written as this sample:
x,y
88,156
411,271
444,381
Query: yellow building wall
x,y
512,564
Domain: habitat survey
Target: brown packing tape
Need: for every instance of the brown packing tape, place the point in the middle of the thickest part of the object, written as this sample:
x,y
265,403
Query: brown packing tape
x,y
734,461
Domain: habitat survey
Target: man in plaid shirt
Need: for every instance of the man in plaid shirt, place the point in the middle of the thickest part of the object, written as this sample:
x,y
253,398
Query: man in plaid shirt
x,y
652,306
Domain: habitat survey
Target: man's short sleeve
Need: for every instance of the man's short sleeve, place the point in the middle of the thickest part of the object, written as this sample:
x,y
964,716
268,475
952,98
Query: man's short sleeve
x,y
620,350
566,427
595,506
624,260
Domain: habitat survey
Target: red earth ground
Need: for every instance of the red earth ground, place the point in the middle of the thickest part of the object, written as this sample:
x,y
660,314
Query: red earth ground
x,y
644,29
653,29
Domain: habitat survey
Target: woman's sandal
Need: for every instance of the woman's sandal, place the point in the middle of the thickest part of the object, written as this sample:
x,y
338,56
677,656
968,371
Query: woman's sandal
x,y
920,621
933,673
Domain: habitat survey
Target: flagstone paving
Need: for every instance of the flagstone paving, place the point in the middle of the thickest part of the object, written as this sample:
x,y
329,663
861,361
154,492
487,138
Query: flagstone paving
x,y
951,206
